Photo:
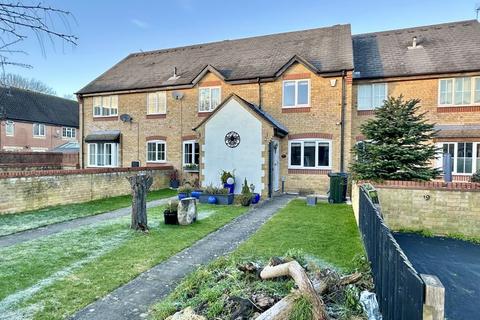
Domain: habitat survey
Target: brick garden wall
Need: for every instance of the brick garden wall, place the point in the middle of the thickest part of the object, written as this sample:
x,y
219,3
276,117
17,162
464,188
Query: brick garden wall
x,y
28,161
439,207
37,189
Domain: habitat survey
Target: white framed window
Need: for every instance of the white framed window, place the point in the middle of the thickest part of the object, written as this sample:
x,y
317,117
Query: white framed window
x,y
103,154
157,102
296,93
371,96
105,106
310,154
38,130
459,91
191,153
68,132
156,151
9,128
208,98
465,156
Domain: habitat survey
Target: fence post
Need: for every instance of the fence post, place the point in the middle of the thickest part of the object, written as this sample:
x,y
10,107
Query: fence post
x,y
434,304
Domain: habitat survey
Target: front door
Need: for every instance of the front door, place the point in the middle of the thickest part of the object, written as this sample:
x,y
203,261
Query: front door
x,y
275,165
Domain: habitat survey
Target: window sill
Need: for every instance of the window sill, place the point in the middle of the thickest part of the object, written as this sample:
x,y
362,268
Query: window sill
x,y
459,108
309,171
365,112
203,114
295,109
105,118
39,137
191,170
157,116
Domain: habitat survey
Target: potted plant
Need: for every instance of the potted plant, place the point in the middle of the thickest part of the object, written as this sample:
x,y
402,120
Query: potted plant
x,y
184,192
228,180
170,214
221,195
192,167
255,196
174,182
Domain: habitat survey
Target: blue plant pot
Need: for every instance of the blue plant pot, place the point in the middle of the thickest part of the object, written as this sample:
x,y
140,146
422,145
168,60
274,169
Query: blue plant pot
x,y
255,198
230,187
196,194
182,196
212,200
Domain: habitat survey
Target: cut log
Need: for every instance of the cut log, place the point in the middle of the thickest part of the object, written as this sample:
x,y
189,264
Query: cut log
x,y
140,184
305,287
280,310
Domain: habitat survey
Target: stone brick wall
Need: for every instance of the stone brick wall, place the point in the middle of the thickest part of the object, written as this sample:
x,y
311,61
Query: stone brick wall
x,y
437,207
22,191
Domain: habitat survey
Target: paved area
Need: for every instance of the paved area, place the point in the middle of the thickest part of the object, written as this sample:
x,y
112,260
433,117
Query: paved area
x,y
36,233
132,300
456,263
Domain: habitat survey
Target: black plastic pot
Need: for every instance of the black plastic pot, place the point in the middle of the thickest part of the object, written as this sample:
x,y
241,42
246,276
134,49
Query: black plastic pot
x,y
170,217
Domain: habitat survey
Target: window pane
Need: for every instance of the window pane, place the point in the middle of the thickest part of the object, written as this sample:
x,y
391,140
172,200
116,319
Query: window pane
x,y
462,91
91,153
309,154
215,92
151,151
100,154
162,102
465,157
379,94
302,92
152,103
204,103
323,154
446,91
296,154
449,148
187,153
289,93
477,90
197,153
364,97
160,151
108,154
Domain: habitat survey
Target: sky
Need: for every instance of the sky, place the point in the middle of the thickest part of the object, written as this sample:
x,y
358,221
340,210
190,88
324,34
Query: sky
x,y
110,30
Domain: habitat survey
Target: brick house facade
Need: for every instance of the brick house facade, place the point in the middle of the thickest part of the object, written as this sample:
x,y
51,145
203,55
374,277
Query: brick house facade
x,y
323,122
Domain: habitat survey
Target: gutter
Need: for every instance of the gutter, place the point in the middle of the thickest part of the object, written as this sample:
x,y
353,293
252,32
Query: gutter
x,y
342,122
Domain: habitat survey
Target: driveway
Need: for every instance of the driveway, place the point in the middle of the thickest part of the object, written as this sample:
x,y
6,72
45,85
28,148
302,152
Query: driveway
x,y
456,263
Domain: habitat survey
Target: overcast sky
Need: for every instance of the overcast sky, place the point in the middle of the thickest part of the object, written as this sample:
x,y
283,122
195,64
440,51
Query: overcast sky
x,y
109,30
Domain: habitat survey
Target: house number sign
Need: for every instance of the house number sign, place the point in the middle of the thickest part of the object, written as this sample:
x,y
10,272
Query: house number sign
x,y
232,139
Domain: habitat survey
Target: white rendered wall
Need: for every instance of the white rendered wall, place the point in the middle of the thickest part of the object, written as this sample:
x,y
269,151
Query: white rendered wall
x,y
245,159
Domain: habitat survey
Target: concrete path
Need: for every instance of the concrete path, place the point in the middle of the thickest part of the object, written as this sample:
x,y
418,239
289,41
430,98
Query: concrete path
x,y
132,300
456,263
36,233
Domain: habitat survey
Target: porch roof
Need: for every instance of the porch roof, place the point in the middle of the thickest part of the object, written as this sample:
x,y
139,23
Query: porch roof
x,y
458,131
103,136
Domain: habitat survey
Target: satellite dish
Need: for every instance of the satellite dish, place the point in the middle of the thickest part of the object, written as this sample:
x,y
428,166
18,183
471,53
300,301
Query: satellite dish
x,y
177,95
126,118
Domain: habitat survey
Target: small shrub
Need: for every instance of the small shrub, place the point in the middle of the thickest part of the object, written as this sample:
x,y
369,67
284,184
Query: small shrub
x,y
245,197
211,189
185,189
476,176
225,175
172,206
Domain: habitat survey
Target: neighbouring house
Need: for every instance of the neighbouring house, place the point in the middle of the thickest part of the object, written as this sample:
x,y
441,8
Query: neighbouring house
x,y
281,110
36,122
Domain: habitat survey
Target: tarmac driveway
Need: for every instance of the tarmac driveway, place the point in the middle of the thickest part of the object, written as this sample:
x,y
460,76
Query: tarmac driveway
x,y
456,263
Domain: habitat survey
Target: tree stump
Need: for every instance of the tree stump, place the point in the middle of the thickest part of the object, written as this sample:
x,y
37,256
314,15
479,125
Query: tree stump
x,y
140,184
187,211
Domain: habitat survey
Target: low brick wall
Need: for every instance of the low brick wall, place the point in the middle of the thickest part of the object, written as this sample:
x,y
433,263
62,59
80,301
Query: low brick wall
x,y
22,191
37,161
439,207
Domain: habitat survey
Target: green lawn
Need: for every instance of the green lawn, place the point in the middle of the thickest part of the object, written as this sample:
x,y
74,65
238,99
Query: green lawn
x,y
11,223
53,277
323,235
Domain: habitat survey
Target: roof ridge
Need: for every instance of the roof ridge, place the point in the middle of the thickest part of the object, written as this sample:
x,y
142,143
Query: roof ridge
x,y
200,45
36,92
445,24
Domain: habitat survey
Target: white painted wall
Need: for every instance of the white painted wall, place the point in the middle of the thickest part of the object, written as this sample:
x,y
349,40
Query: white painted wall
x,y
246,158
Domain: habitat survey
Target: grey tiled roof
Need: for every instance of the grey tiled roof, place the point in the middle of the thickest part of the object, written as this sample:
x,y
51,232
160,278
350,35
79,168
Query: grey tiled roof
x,y
30,106
103,136
326,49
442,48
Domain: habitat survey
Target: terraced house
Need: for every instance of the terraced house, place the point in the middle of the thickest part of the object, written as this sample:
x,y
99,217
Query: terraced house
x,y
281,110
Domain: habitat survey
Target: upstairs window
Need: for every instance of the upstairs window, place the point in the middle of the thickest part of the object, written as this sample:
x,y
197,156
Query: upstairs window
x,y
371,96
9,128
296,93
191,153
208,98
38,130
105,106
156,151
68,132
310,154
157,102
459,91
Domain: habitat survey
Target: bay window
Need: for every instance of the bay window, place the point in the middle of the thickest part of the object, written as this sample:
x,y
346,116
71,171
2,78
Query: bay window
x,y
208,98
459,91
310,154
296,93
191,153
157,102
371,96
102,154
156,151
105,106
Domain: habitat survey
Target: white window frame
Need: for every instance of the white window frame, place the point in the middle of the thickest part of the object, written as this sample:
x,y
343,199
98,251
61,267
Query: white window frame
x,y
158,95
112,111
317,141
115,158
296,105
193,143
9,128
40,133
69,133
157,142
371,87
210,89
452,97
475,146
